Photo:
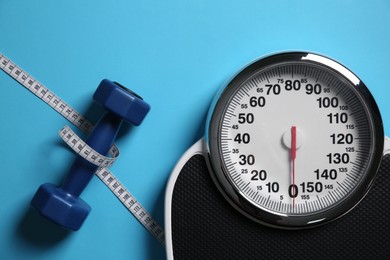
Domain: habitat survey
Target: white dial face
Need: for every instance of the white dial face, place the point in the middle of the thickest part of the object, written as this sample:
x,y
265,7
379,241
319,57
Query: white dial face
x,y
295,139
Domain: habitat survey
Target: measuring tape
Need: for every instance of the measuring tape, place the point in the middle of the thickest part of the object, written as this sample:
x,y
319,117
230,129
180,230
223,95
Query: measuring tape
x,y
81,148
84,150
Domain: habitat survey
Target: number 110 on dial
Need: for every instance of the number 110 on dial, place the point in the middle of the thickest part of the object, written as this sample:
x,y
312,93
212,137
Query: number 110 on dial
x,y
295,137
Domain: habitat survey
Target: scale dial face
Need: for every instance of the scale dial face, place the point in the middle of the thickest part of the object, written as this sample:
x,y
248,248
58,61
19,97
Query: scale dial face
x,y
295,140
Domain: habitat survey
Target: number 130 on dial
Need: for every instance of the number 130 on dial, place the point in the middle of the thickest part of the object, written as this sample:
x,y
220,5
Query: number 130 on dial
x,y
295,140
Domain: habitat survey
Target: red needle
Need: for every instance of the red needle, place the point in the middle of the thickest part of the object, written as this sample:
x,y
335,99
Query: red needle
x,y
293,156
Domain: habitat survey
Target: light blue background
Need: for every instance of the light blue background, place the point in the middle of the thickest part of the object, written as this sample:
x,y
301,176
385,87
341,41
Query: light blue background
x,y
175,54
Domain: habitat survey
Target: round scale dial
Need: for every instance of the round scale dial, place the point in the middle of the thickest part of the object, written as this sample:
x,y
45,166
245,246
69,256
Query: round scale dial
x,y
295,140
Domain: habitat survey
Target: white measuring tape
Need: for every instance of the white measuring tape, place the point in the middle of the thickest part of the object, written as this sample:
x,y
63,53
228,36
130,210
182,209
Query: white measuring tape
x,y
84,150
81,148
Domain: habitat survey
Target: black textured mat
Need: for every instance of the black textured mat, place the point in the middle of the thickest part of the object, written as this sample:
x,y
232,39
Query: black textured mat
x,y
205,226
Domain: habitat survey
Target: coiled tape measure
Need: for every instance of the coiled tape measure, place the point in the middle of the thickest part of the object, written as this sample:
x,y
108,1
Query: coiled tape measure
x,y
81,148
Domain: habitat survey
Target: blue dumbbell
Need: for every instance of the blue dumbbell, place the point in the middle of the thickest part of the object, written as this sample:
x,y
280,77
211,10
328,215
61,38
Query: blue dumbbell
x,y
62,205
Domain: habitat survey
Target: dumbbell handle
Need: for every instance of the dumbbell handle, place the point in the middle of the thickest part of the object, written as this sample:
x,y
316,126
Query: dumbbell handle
x,y
100,139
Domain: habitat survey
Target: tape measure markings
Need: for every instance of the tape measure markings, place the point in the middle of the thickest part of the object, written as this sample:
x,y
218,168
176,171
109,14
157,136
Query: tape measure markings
x,y
45,94
81,148
129,201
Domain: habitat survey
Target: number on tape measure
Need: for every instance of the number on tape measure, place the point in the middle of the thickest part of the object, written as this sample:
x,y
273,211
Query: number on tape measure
x,y
81,148
43,93
84,150
131,203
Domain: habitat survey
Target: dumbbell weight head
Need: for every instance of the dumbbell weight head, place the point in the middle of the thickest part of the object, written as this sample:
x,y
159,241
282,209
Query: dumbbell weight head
x,y
121,101
60,207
